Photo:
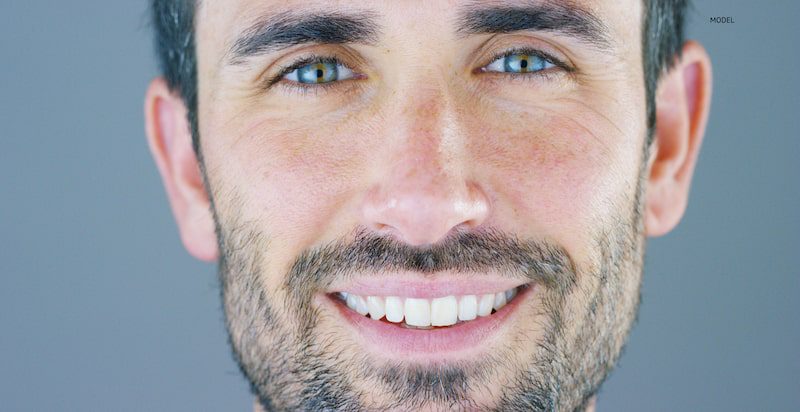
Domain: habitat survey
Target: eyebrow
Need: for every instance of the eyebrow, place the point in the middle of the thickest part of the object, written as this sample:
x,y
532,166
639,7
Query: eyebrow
x,y
288,29
565,18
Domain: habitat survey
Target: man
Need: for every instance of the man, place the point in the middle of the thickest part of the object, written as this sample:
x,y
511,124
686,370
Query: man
x,y
434,205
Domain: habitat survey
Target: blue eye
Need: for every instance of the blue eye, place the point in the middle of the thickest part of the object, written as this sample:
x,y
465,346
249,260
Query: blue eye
x,y
319,72
519,63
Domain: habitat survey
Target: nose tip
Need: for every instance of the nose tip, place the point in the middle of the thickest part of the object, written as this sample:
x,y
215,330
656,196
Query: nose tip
x,y
424,190
419,217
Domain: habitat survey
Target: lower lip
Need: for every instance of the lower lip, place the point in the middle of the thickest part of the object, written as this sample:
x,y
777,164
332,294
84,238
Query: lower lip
x,y
460,339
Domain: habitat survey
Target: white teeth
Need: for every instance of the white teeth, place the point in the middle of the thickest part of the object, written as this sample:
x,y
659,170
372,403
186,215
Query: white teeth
x,y
444,311
499,300
394,309
510,294
350,299
468,307
485,305
425,313
376,306
357,303
418,312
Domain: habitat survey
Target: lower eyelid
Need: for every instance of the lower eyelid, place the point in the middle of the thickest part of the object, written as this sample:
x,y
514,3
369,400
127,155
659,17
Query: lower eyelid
x,y
304,90
541,77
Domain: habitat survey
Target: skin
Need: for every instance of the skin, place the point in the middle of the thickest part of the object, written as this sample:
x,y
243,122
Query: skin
x,y
423,146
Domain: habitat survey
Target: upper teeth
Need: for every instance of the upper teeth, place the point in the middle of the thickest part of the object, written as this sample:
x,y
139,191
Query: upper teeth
x,y
418,312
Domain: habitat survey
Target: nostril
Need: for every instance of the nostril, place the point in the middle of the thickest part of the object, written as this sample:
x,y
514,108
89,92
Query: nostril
x,y
425,212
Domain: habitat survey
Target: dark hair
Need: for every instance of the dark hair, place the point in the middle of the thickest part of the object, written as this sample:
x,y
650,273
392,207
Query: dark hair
x,y
173,21
662,40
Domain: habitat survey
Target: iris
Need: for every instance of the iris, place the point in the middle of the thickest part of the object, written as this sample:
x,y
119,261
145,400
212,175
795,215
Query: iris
x,y
320,72
519,62
524,63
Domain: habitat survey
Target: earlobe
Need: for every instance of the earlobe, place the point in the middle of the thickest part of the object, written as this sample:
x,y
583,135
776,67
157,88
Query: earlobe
x,y
682,105
170,141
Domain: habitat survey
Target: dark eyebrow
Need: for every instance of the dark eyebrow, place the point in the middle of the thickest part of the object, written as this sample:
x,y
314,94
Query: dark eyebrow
x,y
288,29
567,19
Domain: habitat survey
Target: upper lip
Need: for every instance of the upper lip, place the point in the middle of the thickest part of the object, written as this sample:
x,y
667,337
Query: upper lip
x,y
415,285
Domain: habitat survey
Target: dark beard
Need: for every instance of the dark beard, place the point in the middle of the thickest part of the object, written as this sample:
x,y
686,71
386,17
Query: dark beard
x,y
293,366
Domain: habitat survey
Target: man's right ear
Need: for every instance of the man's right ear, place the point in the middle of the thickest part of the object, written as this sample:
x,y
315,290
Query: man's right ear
x,y
170,139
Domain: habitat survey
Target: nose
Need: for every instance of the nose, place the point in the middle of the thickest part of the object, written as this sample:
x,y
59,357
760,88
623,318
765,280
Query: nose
x,y
424,192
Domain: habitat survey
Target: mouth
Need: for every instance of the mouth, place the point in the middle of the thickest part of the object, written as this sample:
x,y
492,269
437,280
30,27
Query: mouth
x,y
430,327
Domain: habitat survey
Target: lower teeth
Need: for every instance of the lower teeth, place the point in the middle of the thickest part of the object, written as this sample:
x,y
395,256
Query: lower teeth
x,y
407,326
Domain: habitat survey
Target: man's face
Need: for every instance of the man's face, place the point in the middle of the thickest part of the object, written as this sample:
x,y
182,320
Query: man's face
x,y
425,154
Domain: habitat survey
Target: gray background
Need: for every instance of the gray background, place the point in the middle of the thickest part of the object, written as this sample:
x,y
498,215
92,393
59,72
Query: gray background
x,y
102,309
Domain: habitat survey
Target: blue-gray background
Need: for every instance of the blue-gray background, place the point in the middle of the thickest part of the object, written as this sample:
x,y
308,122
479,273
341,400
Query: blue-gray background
x,y
102,309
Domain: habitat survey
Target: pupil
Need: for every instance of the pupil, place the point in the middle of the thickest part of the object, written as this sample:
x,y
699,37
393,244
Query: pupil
x,y
319,73
523,63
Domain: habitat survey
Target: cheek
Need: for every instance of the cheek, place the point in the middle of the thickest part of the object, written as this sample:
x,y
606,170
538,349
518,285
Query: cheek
x,y
295,177
559,173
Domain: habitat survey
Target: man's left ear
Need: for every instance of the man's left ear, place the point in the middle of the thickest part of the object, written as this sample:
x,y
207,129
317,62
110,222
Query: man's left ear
x,y
683,100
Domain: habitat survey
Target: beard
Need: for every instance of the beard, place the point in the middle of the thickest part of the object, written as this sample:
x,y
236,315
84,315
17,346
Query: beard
x,y
585,315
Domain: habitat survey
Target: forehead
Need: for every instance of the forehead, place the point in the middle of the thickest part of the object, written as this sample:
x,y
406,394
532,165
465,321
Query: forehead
x,y
220,24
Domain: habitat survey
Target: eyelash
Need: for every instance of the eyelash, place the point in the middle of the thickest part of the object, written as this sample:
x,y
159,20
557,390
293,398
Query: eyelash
x,y
306,89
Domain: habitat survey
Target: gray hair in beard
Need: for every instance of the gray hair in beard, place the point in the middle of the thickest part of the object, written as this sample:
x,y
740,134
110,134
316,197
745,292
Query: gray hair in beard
x,y
293,366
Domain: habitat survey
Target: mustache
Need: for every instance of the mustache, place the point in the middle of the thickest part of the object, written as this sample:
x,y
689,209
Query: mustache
x,y
475,251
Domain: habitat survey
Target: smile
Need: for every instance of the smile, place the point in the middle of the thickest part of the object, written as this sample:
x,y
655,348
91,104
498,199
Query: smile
x,y
421,313
439,322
